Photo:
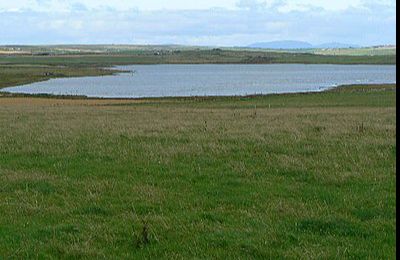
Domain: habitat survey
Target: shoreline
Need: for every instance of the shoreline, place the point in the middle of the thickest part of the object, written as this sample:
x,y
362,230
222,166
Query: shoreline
x,y
363,87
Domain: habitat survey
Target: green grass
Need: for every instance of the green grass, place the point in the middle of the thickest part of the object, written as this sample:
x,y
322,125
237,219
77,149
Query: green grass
x,y
194,56
279,176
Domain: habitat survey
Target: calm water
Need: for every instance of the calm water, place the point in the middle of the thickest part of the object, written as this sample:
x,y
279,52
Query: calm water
x,y
201,80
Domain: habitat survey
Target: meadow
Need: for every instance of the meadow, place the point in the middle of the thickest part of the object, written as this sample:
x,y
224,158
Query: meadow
x,y
368,51
304,176
135,49
91,56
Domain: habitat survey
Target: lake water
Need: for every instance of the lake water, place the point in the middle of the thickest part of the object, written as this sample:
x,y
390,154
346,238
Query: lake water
x,y
213,80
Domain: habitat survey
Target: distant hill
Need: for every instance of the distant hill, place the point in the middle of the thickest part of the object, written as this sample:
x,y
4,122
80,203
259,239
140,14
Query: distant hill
x,y
300,45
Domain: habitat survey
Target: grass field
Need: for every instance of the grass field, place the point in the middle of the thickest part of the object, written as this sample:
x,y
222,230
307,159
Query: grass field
x,y
135,49
371,51
190,56
281,176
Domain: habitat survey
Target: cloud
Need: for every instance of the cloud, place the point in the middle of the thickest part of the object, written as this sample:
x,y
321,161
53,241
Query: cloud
x,y
252,21
260,5
79,7
251,4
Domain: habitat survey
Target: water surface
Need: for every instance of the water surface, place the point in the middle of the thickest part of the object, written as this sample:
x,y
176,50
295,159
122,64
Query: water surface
x,y
213,80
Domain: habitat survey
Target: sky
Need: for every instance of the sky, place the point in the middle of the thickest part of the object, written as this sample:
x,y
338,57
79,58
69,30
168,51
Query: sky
x,y
205,22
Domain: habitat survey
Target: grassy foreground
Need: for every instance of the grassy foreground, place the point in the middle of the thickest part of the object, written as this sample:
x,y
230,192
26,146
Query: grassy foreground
x,y
293,176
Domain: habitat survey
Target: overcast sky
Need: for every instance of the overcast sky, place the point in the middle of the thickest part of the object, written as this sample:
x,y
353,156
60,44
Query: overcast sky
x,y
204,22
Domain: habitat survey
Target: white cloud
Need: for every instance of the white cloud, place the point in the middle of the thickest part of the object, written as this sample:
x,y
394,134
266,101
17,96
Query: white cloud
x,y
249,21
121,5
